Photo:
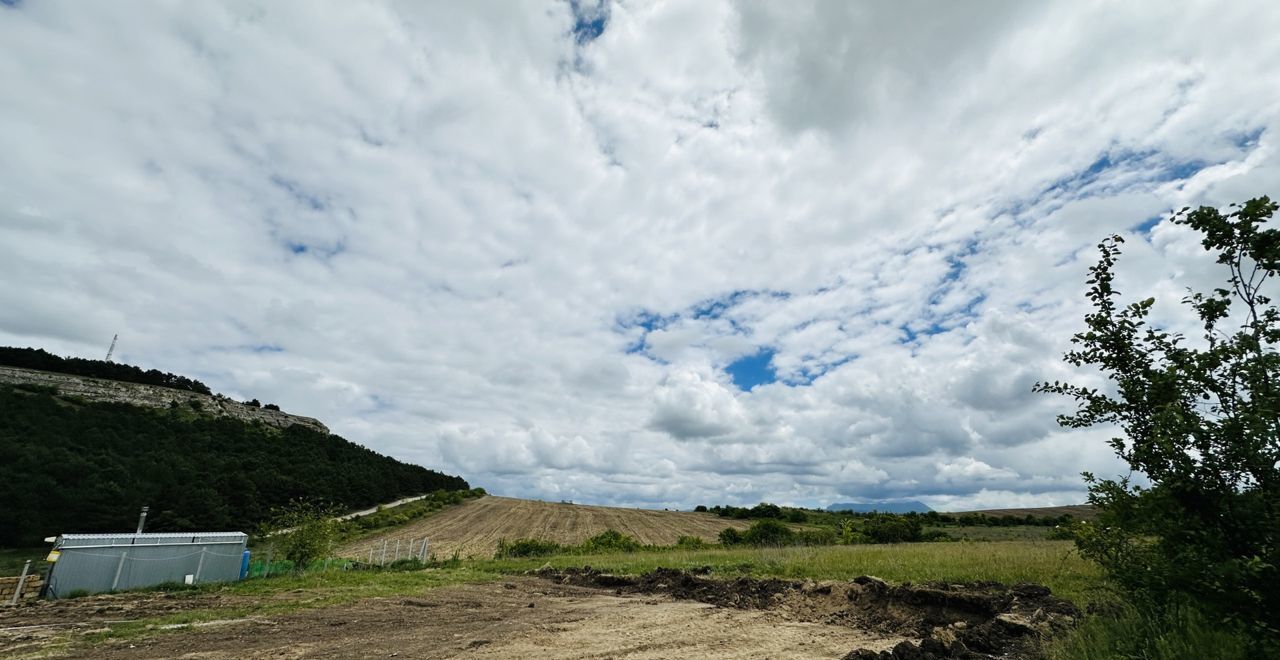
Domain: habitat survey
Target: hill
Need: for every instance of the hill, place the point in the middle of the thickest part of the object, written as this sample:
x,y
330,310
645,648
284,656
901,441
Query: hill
x,y
41,360
473,529
68,464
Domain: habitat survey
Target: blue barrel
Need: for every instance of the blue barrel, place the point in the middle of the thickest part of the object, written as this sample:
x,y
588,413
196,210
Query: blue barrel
x,y
244,565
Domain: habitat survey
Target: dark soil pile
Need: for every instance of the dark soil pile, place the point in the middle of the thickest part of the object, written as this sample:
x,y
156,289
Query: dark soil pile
x,y
966,621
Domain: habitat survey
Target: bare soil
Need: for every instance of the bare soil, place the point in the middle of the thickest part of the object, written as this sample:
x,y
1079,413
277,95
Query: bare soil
x,y
934,621
525,617
473,528
576,614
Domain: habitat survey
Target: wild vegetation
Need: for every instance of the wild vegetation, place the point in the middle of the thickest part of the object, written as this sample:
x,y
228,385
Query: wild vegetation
x,y
39,359
72,466
1196,538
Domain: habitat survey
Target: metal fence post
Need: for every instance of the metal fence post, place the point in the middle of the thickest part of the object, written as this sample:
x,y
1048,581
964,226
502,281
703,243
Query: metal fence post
x,y
199,566
397,557
266,569
371,546
383,560
17,592
422,552
119,567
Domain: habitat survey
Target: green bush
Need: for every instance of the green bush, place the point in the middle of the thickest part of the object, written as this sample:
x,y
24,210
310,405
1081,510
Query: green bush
x,y
768,532
690,543
892,529
1198,422
526,548
302,531
730,536
609,541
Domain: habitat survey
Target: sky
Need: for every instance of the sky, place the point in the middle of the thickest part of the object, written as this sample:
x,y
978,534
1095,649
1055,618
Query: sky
x,y
650,254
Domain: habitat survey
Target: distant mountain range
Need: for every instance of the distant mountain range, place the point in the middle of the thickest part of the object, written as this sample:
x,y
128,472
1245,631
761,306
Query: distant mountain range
x,y
901,506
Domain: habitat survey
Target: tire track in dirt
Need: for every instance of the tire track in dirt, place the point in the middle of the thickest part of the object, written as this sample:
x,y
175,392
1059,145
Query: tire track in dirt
x,y
473,528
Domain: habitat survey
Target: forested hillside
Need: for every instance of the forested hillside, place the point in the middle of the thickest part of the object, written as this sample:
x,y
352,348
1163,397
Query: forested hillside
x,y
37,358
71,466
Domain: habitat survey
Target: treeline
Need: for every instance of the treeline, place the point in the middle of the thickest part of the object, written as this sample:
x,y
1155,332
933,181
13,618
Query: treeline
x,y
71,466
761,511
767,511
37,358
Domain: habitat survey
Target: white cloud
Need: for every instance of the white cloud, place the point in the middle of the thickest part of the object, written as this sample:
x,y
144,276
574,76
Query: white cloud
x,y
453,220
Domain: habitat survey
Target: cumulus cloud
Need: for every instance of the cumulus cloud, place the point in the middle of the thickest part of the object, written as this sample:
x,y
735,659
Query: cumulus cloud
x,y
531,243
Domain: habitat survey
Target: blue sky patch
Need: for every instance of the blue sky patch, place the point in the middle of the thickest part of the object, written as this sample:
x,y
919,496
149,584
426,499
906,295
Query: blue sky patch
x,y
589,22
752,370
1147,225
1247,139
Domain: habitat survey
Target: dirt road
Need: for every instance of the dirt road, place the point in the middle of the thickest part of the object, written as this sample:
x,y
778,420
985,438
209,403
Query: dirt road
x,y
473,528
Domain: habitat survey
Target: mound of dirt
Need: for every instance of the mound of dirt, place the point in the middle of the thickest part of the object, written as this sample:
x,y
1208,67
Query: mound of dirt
x,y
968,621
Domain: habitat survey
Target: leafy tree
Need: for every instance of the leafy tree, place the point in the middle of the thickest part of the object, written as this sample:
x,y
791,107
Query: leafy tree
x,y
1201,422
303,531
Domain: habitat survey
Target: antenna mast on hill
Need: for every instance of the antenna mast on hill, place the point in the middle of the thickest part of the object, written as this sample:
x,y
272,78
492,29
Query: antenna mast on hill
x,y
113,347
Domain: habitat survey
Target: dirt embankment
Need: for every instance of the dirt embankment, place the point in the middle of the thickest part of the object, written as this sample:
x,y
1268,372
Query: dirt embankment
x,y
972,621
473,528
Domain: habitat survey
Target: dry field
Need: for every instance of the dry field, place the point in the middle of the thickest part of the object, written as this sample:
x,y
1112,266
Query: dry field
x,y
473,528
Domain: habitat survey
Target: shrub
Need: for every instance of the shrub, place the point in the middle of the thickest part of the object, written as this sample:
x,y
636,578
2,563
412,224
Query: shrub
x,y
526,548
701,508
690,543
892,529
609,541
817,537
768,532
1198,420
302,531
730,536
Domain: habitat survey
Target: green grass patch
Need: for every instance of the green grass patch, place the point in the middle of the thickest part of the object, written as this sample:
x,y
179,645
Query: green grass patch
x,y
12,560
1054,564
261,597
1178,633
991,533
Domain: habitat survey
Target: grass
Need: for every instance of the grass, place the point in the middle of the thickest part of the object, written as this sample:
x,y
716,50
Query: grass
x,y
12,559
261,597
986,533
1054,564
1180,633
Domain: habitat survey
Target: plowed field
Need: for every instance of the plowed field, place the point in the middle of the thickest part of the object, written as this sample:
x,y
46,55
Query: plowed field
x,y
472,529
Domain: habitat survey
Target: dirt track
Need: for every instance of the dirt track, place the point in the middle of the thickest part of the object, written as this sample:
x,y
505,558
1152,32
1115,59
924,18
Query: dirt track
x,y
472,529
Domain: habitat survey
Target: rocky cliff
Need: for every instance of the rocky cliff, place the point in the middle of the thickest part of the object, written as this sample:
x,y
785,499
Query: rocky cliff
x,y
97,389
